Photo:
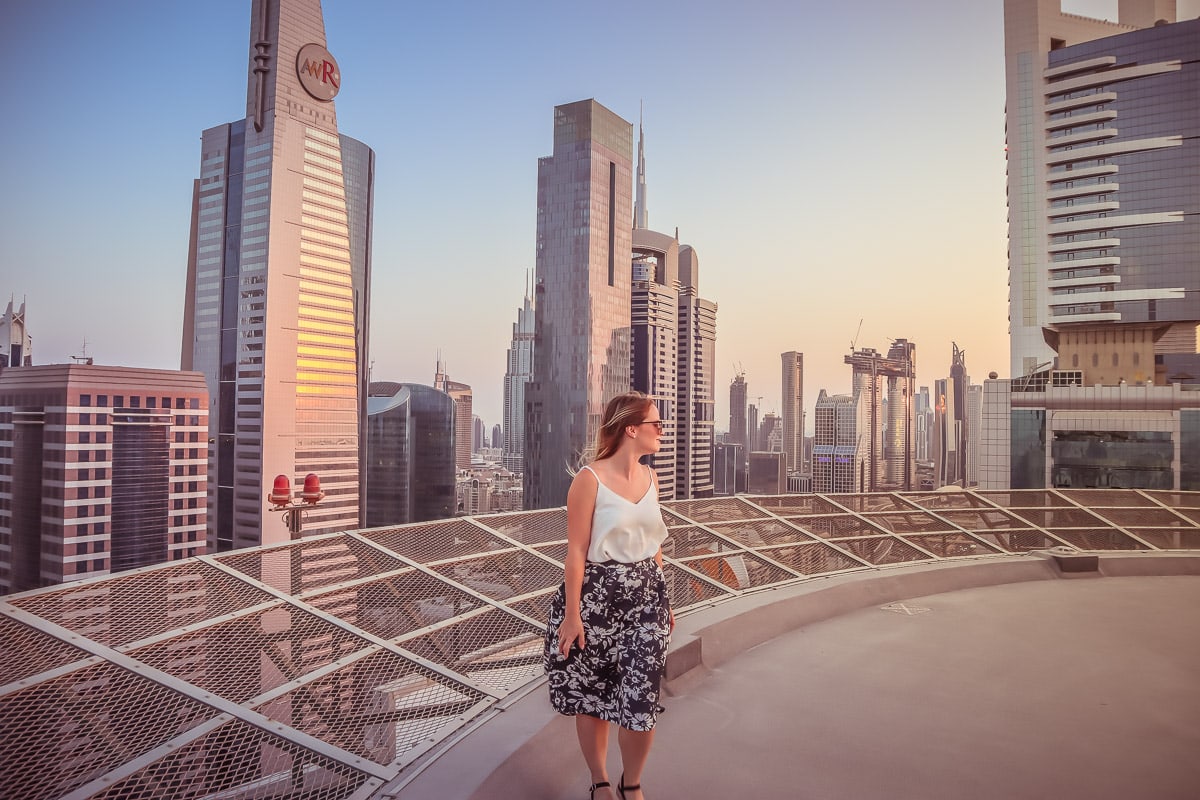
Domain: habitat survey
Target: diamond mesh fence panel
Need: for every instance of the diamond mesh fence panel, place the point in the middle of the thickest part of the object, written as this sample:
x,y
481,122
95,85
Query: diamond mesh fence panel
x,y
1107,498
1142,517
952,545
397,605
1097,539
796,504
239,762
1177,500
308,566
250,655
1018,541
1169,538
26,651
983,520
913,522
687,589
811,558
530,527
715,510
695,541
940,500
761,532
379,707
1058,517
739,571
882,550
438,540
837,527
865,503
503,575
131,607
59,734
493,648
1026,498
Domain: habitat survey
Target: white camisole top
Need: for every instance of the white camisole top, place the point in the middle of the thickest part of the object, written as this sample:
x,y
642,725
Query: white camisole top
x,y
624,531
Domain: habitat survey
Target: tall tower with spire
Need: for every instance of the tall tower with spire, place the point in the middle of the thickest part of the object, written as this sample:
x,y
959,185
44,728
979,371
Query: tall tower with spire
x,y
277,288
518,372
639,202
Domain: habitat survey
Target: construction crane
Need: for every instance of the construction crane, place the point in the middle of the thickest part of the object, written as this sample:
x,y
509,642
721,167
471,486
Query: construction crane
x,y
854,341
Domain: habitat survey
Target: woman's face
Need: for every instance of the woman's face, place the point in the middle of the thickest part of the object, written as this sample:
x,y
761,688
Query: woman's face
x,y
648,437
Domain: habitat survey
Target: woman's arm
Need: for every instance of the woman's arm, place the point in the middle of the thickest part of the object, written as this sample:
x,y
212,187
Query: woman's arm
x,y
581,505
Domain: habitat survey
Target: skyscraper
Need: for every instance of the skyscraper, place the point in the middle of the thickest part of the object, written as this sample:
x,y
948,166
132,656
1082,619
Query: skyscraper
x,y
738,413
654,358
464,429
517,374
1103,146
410,454
277,291
104,470
695,417
582,295
841,453
890,458
16,345
793,410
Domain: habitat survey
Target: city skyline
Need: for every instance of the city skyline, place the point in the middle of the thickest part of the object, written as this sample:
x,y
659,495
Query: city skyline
x,y
820,183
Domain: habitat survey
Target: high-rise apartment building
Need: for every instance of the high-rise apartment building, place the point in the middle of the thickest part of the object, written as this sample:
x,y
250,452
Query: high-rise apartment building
x,y
841,453
793,410
752,428
654,358
16,345
738,418
582,278
464,429
673,347
889,441
695,418
278,285
411,470
517,374
1103,145
102,469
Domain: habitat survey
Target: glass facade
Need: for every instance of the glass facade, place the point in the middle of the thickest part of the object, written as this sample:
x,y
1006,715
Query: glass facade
x,y
1028,459
410,474
1189,450
278,298
1112,459
582,340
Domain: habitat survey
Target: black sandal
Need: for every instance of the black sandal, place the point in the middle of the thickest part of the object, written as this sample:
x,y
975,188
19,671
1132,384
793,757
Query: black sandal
x,y
601,785
621,787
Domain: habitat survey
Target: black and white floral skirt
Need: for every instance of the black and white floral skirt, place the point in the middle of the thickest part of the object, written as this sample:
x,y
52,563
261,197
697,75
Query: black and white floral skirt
x,y
626,628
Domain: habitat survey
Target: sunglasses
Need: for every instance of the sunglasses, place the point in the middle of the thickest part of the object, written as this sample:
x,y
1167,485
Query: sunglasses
x,y
657,423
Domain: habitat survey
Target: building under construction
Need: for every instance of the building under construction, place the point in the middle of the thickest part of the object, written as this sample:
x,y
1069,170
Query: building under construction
x,y
889,437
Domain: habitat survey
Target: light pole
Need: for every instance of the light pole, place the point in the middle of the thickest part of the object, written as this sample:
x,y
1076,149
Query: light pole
x,y
293,510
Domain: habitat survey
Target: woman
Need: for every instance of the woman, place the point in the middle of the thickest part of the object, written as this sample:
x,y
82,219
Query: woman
x,y
606,641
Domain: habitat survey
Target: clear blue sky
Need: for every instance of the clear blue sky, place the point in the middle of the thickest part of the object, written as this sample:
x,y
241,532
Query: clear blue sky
x,y
830,162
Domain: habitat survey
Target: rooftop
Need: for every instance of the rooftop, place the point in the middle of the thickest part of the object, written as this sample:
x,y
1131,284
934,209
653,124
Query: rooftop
x,y
873,635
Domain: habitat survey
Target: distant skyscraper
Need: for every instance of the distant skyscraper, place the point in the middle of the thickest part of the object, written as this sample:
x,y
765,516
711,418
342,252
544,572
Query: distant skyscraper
x,y
766,473
497,439
695,416
974,423
478,434
277,292
793,410
410,454
464,428
654,358
582,340
104,470
891,462
16,345
752,429
1103,147
729,468
517,374
674,344
841,453
640,212
738,412
770,433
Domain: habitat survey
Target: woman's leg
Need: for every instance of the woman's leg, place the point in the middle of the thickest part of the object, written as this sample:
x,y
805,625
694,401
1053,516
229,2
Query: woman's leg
x,y
593,741
635,749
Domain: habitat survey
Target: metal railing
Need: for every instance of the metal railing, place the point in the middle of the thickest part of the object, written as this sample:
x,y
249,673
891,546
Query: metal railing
x,y
325,667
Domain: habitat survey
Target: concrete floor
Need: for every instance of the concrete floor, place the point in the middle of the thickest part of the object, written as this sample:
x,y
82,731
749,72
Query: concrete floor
x,y
1079,688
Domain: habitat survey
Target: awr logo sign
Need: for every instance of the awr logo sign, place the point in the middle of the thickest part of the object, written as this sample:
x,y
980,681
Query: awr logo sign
x,y
318,72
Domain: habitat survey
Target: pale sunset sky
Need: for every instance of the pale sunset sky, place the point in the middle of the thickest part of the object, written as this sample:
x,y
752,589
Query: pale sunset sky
x,y
830,162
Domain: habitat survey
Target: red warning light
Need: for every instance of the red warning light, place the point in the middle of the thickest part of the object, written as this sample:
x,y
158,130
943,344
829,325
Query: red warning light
x,y
281,494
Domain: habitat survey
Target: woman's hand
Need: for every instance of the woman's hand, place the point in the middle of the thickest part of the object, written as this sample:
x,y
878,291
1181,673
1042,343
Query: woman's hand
x,y
671,613
570,632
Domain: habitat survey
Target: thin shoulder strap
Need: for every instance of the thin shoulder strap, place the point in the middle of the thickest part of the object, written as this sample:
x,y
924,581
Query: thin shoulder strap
x,y
589,469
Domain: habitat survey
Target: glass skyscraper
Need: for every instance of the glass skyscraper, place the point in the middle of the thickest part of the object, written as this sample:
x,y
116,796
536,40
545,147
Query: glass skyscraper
x,y
582,294
410,454
278,276
1103,144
